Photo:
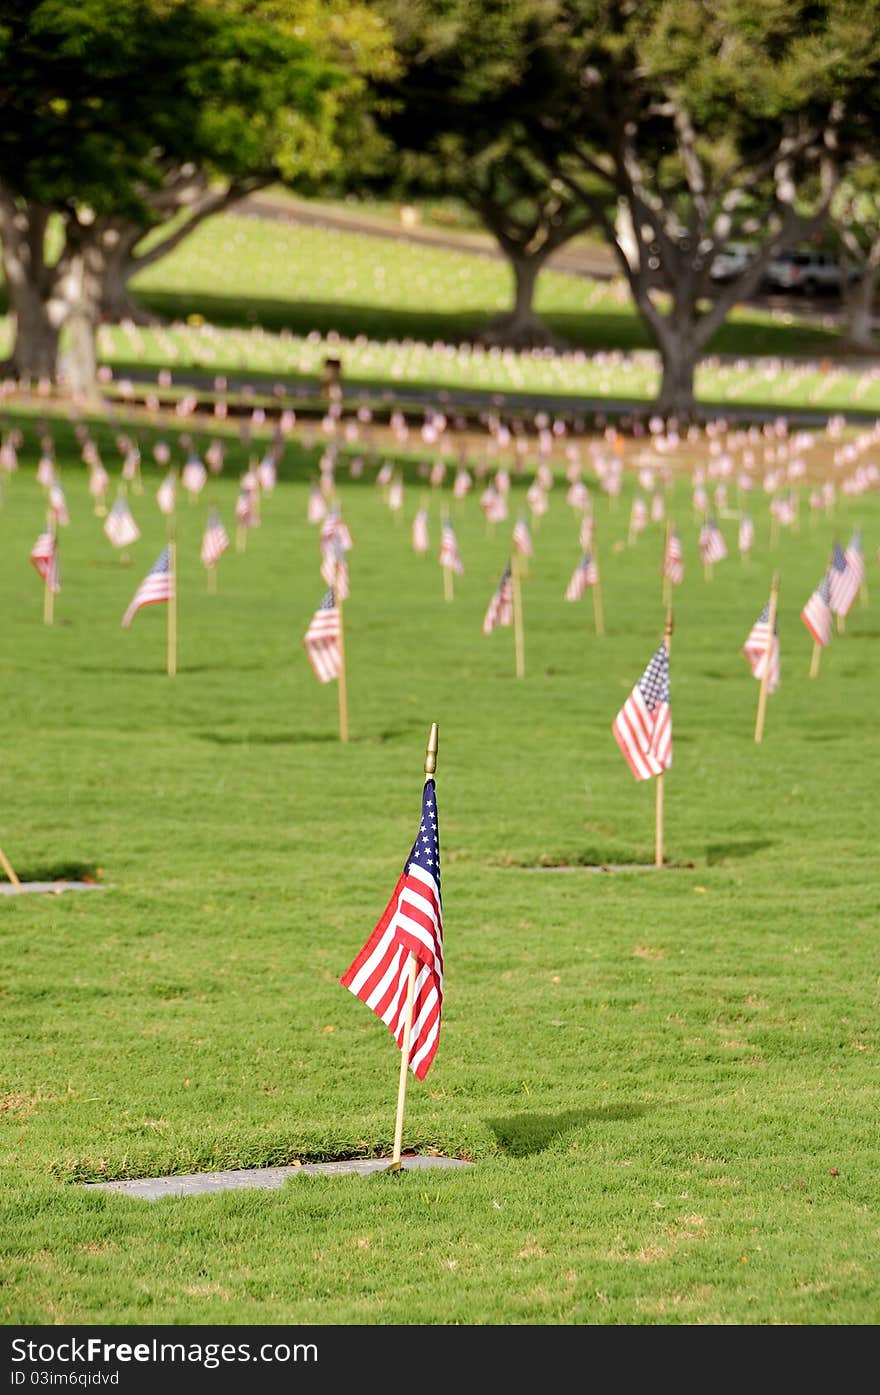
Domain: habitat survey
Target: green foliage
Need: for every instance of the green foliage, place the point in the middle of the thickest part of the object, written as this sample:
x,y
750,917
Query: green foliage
x,y
667,1080
99,100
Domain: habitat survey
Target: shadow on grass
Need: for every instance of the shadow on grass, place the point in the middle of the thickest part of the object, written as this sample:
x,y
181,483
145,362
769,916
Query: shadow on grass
x,y
69,871
595,329
732,852
291,738
521,1135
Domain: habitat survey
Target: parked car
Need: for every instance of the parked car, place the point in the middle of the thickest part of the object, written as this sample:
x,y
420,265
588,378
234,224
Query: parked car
x,y
731,260
809,273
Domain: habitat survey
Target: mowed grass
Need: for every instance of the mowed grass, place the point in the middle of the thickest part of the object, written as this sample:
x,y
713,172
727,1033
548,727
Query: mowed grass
x,y
238,270
666,1080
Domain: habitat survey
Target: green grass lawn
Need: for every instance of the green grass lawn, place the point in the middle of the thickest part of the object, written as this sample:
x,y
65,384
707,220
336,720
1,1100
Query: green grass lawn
x,y
667,1080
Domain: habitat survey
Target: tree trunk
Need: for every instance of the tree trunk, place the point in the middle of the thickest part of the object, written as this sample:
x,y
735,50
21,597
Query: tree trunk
x,y
80,289
29,283
521,328
679,357
35,352
117,302
859,309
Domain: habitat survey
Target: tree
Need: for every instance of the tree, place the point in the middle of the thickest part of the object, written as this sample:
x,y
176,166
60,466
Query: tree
x,y
352,38
708,123
113,117
451,117
855,215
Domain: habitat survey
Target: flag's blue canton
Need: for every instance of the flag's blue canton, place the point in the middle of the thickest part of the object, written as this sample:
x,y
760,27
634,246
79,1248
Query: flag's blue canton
x,y
825,590
838,561
654,682
163,564
426,849
329,600
764,619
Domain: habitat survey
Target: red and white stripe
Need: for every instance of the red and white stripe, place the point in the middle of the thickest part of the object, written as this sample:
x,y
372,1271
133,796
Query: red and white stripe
x,y
411,923
644,737
321,642
816,615
44,555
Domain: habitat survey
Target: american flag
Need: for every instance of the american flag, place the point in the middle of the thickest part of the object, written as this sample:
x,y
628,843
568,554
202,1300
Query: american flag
x,y
335,530
44,555
536,497
157,585
846,575
522,538
120,526
215,540
267,473
321,639
246,511
500,609
449,554
99,482
194,475
493,504
420,541
746,534
816,614
673,559
58,504
584,575
334,570
412,923
643,726
585,536
463,483
166,494
712,545
758,647
638,517
317,507
395,494
658,508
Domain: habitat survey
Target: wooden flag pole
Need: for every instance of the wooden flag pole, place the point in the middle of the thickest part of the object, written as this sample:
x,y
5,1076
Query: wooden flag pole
x,y
343,685
9,870
48,593
765,676
667,580
658,813
172,602
518,636
598,617
413,966
841,624
212,580
814,661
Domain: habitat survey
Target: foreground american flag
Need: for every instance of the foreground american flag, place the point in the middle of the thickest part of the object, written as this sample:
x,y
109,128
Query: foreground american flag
x,y
760,652
500,608
157,585
412,923
449,554
120,526
44,555
816,614
215,540
584,575
643,726
321,640
673,559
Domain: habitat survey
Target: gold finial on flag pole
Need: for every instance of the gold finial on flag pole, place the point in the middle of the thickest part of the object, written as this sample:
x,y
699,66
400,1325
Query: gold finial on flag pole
x,y
412,967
